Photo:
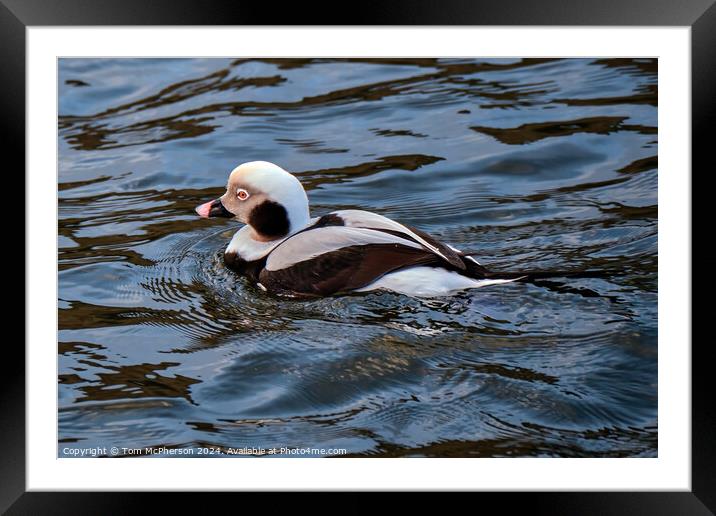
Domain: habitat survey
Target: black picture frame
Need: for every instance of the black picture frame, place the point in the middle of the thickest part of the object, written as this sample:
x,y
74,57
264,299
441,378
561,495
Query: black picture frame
x,y
700,15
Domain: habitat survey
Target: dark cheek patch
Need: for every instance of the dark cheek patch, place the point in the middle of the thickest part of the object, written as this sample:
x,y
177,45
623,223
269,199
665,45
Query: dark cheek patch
x,y
269,219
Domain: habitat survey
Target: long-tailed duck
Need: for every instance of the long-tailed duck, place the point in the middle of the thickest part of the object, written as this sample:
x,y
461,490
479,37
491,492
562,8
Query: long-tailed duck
x,y
287,252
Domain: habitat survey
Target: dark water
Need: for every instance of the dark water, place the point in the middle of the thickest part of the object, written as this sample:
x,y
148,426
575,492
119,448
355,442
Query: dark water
x,y
534,163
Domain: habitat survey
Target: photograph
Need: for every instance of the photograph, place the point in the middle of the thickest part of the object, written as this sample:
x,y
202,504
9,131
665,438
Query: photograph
x,y
436,257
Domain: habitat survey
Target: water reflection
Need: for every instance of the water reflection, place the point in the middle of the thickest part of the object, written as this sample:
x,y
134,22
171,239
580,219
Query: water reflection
x,y
530,163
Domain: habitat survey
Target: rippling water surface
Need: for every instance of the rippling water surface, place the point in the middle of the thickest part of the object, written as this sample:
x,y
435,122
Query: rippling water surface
x,y
535,163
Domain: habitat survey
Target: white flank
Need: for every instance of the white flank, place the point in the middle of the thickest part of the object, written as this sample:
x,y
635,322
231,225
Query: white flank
x,y
428,282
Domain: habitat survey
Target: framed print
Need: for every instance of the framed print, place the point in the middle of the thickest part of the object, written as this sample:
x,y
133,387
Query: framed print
x,y
447,249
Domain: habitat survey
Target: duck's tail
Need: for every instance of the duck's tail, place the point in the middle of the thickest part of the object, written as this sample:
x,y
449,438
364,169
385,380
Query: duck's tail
x,y
478,271
537,275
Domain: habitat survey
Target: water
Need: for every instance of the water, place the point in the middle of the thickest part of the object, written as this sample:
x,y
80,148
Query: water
x,y
533,163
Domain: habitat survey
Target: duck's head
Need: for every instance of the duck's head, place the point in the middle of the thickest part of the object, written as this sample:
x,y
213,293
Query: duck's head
x,y
265,197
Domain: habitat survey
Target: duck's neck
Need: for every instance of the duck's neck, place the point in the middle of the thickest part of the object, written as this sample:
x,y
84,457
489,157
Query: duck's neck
x,y
299,217
258,237
248,247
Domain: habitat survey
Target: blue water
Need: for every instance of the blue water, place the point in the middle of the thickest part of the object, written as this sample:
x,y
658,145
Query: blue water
x,y
535,164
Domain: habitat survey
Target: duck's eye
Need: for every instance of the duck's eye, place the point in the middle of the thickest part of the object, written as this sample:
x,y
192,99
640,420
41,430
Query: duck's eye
x,y
242,194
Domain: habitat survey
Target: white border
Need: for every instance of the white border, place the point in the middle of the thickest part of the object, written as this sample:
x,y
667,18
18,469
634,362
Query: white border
x,y
671,470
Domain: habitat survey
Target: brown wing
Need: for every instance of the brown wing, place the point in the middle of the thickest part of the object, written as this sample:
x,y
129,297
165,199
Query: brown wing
x,y
376,222
344,269
452,256
470,266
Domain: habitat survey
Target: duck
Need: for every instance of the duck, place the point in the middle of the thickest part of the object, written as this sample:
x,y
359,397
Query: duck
x,y
286,252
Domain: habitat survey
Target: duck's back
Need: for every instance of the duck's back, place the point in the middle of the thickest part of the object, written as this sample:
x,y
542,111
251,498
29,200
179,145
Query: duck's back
x,y
351,249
